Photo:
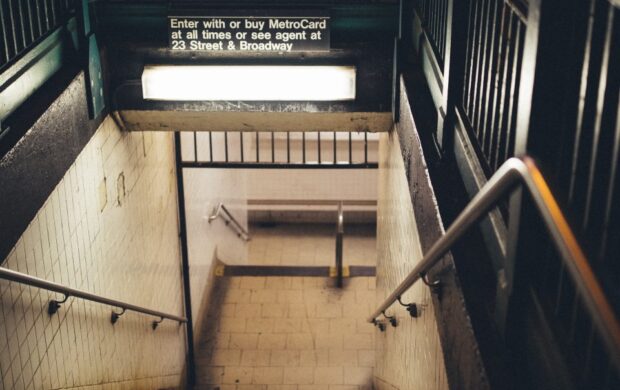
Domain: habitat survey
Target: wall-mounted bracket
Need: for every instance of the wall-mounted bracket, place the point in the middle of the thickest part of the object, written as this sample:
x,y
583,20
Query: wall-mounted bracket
x,y
393,321
379,324
114,317
412,308
154,324
54,305
434,286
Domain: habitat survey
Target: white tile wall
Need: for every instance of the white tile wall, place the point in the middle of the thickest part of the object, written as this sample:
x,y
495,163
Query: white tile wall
x,y
109,227
204,190
409,356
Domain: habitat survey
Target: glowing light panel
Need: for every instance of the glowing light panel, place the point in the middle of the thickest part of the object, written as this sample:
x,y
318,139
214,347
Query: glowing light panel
x,y
250,83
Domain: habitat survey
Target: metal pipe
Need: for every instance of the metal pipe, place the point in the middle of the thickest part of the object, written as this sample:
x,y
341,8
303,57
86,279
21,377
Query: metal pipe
x,y
339,239
19,277
524,171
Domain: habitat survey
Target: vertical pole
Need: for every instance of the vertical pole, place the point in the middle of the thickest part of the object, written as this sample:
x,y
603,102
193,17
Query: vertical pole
x,y
350,148
191,368
210,146
257,147
318,140
453,71
335,148
241,145
226,145
303,146
339,239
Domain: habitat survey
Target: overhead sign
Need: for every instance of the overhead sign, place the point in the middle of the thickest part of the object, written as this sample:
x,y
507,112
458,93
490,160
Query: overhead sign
x,y
286,33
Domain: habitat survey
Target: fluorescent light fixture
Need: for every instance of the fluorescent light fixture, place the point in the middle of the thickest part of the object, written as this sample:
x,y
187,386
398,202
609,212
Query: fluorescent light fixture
x,y
250,83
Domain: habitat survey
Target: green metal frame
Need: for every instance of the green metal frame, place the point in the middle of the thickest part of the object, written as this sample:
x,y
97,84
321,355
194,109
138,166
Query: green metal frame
x,y
27,75
72,40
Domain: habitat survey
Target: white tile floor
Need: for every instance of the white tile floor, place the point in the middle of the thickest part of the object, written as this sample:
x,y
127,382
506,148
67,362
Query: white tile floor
x,y
310,244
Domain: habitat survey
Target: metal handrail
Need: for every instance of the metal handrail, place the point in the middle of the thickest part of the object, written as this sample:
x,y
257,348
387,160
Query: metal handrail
x,y
513,172
240,230
29,280
339,239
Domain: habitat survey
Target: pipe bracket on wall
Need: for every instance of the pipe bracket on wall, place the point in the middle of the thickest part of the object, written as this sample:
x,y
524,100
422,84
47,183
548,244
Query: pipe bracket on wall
x,y
114,317
379,324
392,319
412,308
434,286
54,305
154,324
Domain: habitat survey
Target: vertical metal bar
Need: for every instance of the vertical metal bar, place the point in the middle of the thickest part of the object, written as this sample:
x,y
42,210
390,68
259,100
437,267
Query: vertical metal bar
x,y
490,102
31,20
257,147
4,32
47,16
191,368
582,102
470,58
211,146
54,17
11,12
366,147
514,98
303,146
241,145
39,17
504,105
477,62
598,127
22,23
195,147
484,69
226,145
350,148
273,148
339,239
335,149
288,147
318,134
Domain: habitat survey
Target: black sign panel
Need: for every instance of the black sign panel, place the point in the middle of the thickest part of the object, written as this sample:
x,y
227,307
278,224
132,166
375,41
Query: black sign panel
x,y
309,32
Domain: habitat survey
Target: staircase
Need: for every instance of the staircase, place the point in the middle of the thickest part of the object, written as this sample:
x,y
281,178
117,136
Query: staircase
x,y
287,333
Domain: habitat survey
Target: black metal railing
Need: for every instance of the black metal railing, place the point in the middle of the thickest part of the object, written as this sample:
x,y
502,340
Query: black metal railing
x,y
434,17
23,23
494,53
587,182
262,149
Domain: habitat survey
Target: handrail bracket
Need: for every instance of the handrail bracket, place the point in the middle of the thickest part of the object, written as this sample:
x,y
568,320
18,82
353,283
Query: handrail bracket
x,y
54,305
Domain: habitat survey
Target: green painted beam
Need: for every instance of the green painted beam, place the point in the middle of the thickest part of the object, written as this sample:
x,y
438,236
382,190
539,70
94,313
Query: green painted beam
x,y
26,76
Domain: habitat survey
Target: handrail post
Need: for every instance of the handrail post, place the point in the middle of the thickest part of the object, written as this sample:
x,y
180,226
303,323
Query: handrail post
x,y
339,239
